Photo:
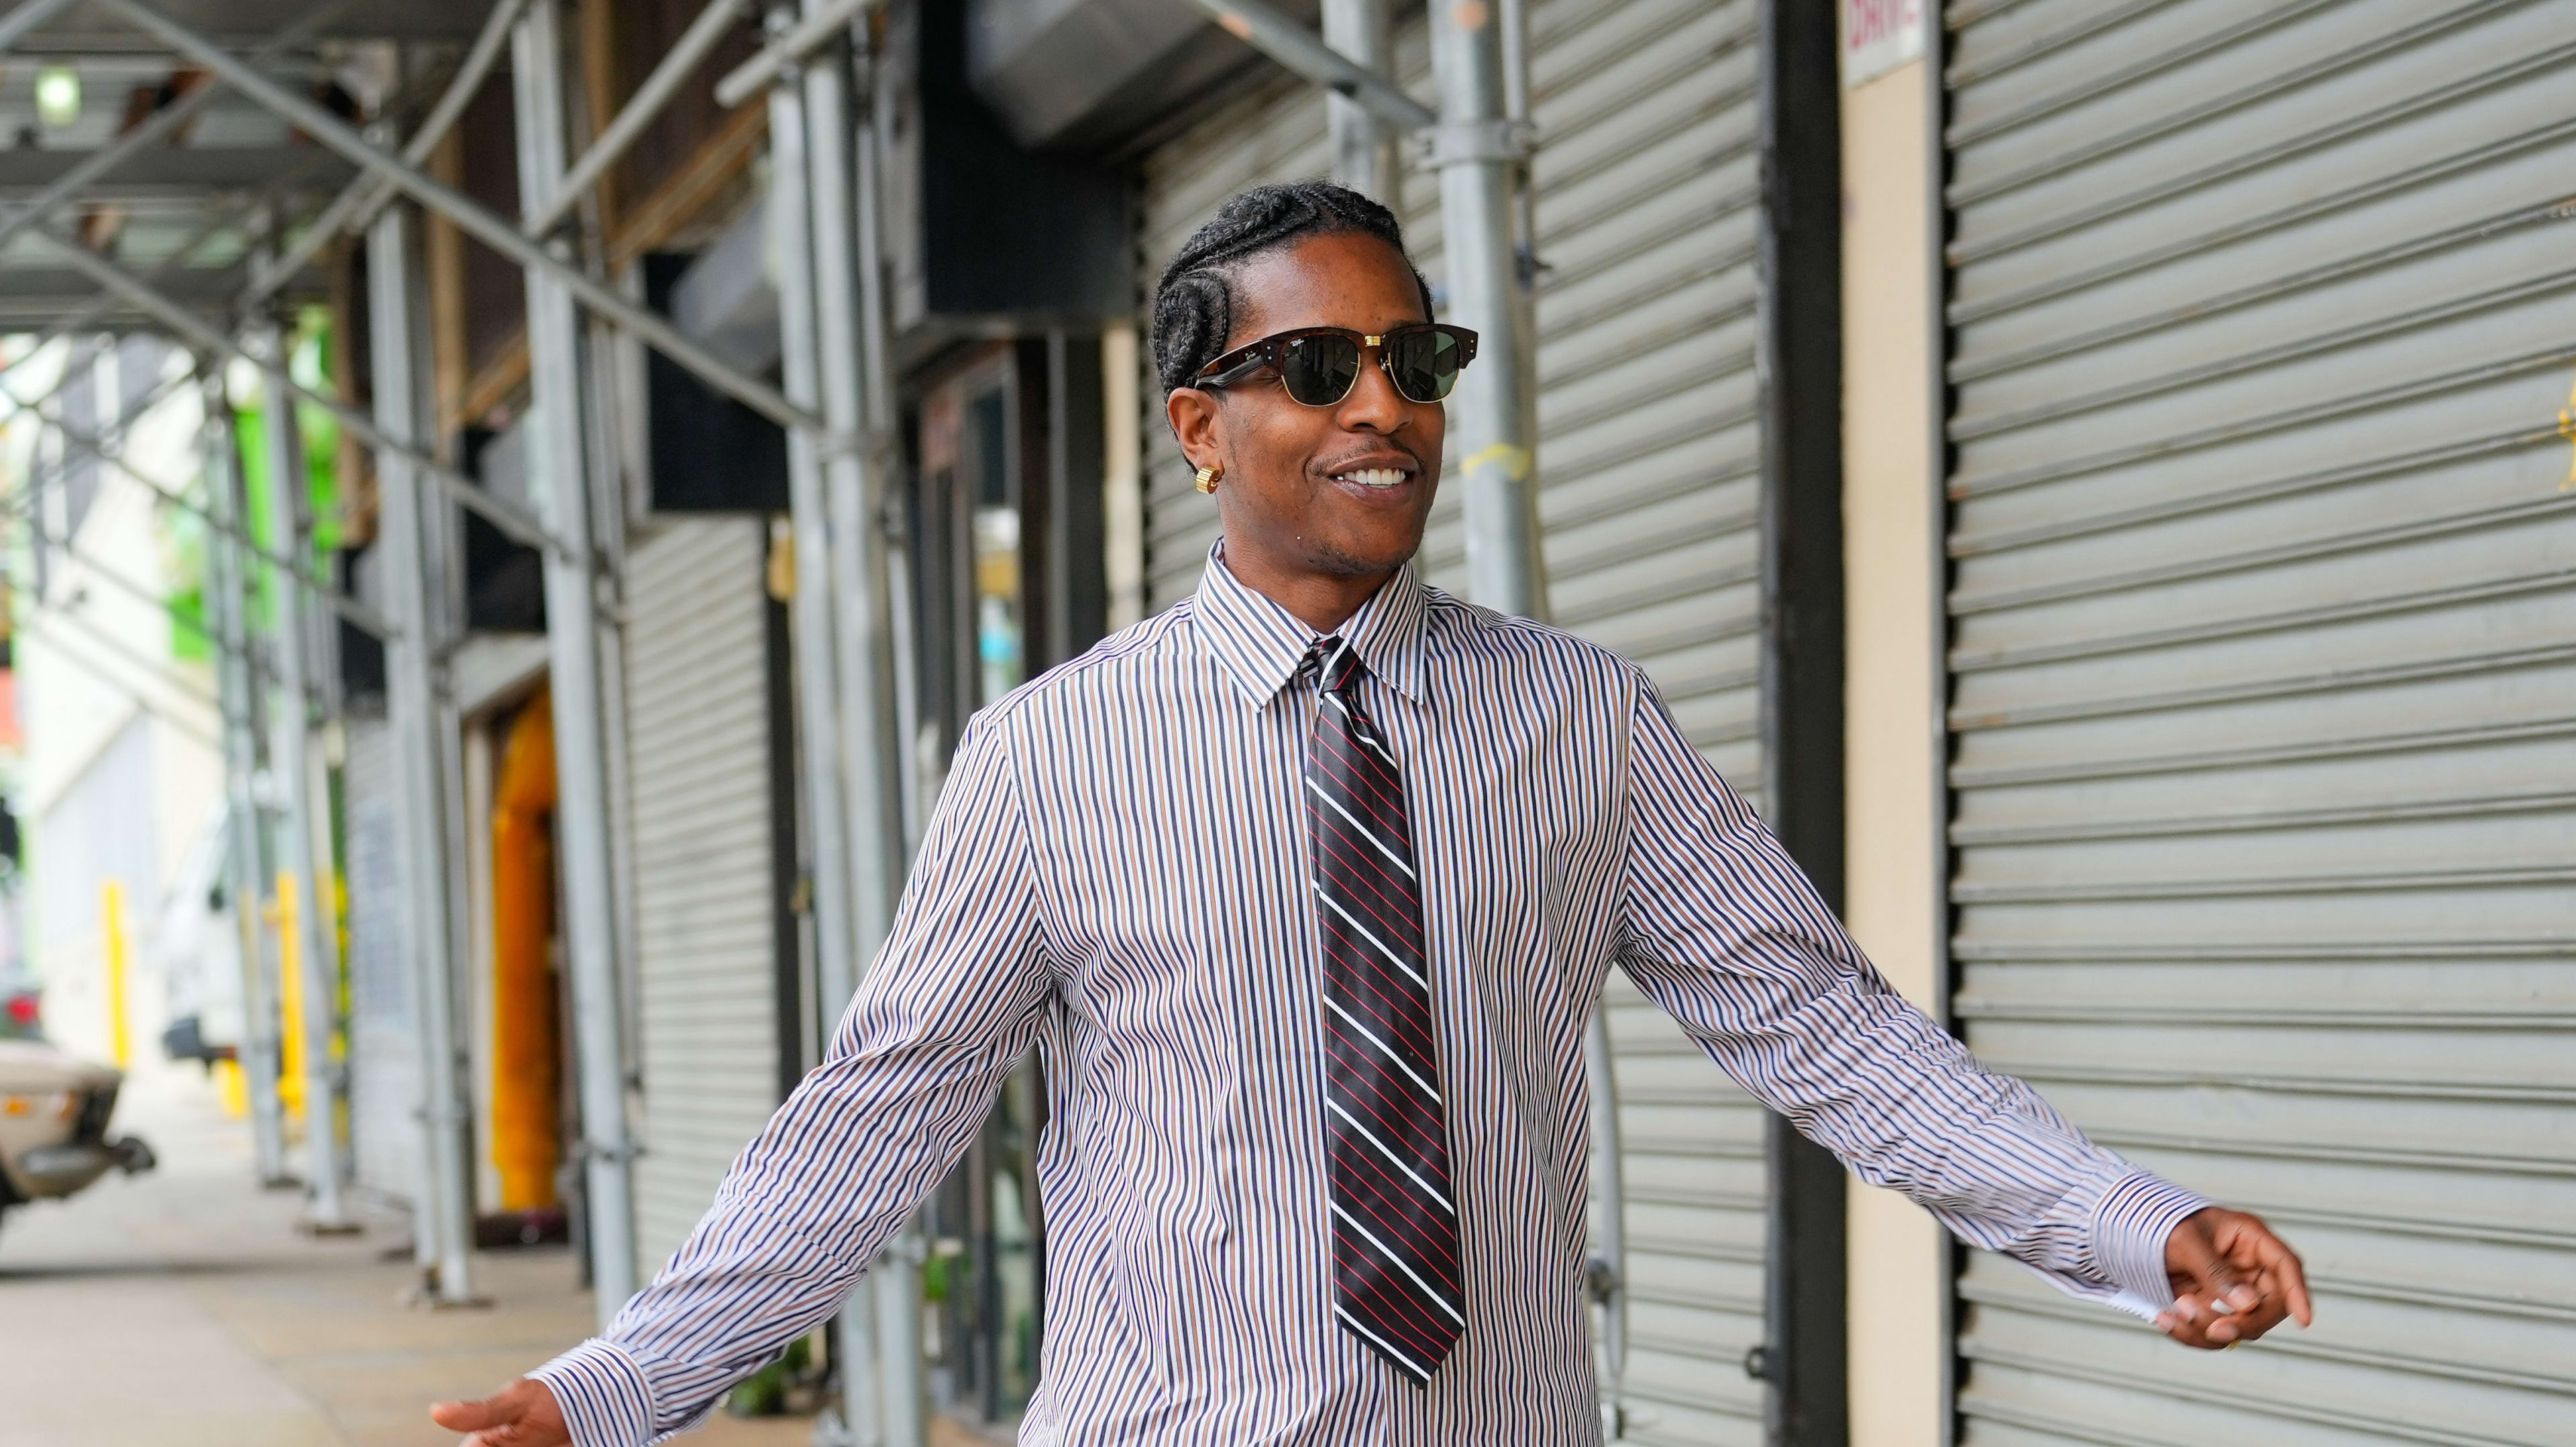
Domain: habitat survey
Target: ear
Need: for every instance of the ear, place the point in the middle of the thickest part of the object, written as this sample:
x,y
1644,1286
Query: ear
x,y
1197,424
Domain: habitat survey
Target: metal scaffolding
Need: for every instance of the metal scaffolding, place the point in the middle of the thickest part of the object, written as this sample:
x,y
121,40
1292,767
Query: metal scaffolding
x,y
837,410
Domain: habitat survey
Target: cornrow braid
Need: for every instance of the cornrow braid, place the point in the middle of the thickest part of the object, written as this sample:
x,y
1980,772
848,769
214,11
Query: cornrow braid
x,y
1194,300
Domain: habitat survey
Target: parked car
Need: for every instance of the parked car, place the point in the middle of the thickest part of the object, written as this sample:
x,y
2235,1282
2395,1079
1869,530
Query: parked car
x,y
21,1015
54,1110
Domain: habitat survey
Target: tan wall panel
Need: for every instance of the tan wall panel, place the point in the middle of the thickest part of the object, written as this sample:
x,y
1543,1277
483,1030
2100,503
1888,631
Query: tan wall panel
x,y
1890,510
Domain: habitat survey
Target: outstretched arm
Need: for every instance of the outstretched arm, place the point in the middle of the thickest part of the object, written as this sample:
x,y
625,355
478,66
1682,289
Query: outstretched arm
x,y
953,1002
1723,930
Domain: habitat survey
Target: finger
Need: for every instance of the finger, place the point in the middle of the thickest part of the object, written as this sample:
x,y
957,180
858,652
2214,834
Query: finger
x,y
2208,1283
2262,1319
2287,1272
466,1416
2189,1333
2227,1290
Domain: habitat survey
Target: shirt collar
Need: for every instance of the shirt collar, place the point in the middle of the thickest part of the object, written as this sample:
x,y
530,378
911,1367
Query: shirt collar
x,y
1259,643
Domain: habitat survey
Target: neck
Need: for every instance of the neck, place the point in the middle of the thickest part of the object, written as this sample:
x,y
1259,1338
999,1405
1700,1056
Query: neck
x,y
1321,601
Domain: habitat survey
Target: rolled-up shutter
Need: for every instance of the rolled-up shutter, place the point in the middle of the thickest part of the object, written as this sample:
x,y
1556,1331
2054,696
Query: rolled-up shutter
x,y
2264,684
697,694
1649,466
384,1057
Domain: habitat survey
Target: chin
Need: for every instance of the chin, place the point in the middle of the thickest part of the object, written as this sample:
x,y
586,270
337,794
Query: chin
x,y
1358,560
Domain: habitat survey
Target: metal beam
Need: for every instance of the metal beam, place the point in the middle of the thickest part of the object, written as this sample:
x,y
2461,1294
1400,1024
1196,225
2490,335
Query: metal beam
x,y
828,785
18,23
443,1227
300,854
247,875
509,518
816,656
469,217
189,287
674,69
1365,154
559,479
155,127
160,171
821,25
902,1387
105,304
1490,432
356,208
1295,47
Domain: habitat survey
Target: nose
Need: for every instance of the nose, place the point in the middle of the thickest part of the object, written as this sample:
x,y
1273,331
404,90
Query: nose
x,y
1373,404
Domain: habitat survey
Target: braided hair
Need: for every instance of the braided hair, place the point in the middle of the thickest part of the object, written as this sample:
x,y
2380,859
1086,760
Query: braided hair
x,y
1194,300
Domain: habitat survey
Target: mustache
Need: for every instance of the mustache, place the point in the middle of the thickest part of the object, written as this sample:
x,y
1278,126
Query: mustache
x,y
1375,456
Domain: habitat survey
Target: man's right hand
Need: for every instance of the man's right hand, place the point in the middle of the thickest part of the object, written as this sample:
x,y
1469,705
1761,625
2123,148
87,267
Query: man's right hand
x,y
522,1414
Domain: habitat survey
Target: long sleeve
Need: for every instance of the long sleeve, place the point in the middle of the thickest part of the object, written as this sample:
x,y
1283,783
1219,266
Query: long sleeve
x,y
1724,931
953,1001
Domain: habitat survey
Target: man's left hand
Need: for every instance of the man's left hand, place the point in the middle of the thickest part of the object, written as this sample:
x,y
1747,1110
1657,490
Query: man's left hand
x,y
2233,1280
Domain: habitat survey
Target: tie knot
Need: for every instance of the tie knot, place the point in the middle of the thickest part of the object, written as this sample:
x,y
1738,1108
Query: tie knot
x,y
1335,663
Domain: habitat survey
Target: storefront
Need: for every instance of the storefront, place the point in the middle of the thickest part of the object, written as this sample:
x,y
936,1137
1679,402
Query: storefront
x,y
2260,682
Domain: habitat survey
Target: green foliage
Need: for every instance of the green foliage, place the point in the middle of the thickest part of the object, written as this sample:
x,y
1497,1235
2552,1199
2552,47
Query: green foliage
x,y
764,1392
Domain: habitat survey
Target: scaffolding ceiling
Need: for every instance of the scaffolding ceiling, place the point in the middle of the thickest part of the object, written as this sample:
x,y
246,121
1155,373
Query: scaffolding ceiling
x,y
171,174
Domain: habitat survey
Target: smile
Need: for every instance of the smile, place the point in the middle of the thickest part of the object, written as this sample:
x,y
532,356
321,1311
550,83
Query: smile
x,y
1374,476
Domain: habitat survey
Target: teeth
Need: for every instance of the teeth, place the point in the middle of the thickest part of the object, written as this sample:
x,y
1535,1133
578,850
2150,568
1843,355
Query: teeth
x,y
1375,476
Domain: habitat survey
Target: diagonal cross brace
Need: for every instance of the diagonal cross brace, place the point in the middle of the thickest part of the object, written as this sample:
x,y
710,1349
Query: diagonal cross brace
x,y
510,519
355,208
154,129
473,219
341,603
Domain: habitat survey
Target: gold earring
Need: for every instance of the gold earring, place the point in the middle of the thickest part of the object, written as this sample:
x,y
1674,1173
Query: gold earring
x,y
1206,479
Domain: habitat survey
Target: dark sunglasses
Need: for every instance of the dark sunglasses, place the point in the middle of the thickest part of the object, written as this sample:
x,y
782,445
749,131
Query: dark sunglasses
x,y
1320,365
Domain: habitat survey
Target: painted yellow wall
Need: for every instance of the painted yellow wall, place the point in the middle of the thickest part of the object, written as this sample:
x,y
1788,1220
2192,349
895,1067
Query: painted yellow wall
x,y
1890,511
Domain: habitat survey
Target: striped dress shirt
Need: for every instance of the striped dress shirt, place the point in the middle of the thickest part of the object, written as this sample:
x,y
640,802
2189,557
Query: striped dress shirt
x,y
1117,874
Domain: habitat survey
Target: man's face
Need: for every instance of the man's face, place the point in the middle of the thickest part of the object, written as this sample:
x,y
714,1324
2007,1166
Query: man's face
x,y
1342,490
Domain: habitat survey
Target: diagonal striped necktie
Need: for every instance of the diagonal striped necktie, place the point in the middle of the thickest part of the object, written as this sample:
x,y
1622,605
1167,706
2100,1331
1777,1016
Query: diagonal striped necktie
x,y
1395,1224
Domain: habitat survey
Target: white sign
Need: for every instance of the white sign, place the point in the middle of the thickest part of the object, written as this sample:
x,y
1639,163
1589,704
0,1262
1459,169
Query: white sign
x,y
1879,36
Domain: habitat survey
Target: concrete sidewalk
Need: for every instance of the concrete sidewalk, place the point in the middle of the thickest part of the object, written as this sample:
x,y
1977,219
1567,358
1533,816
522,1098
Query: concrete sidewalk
x,y
182,1307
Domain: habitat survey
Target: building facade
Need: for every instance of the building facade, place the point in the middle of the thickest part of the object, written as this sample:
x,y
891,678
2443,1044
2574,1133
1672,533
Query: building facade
x,y
2096,475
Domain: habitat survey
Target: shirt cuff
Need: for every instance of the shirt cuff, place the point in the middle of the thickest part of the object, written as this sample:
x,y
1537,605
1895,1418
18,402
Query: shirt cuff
x,y
602,1394
2130,1229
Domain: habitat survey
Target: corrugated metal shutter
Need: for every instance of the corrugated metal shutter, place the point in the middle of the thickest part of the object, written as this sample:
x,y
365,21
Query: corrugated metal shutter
x,y
697,698
2264,684
384,1057
1649,460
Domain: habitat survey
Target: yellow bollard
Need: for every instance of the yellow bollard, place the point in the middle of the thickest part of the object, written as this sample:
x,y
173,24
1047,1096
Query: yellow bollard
x,y
231,1089
290,1000
111,909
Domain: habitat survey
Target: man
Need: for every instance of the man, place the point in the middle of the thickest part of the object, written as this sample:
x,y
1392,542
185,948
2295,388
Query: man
x,y
1305,890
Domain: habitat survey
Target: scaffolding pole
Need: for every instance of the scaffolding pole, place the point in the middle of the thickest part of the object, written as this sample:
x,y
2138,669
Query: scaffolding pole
x,y
292,766
443,1218
1364,148
559,479
1477,150
854,484
903,1374
246,870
